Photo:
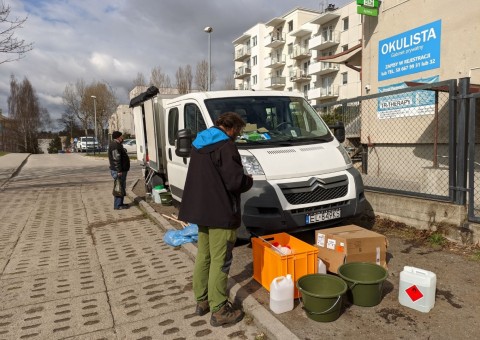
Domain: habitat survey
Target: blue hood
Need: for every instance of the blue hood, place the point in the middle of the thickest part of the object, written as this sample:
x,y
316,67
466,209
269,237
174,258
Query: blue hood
x,y
208,137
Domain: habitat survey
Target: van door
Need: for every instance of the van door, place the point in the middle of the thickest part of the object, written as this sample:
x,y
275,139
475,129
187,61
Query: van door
x,y
187,117
139,124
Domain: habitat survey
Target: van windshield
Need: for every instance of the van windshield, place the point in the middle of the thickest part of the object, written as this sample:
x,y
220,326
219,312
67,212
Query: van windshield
x,y
272,120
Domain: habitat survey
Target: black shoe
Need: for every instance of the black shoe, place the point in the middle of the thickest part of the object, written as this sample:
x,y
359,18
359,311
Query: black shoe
x,y
202,308
125,205
122,207
226,315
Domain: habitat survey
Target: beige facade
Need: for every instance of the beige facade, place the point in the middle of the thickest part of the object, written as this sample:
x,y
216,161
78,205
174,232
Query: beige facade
x,y
282,54
122,120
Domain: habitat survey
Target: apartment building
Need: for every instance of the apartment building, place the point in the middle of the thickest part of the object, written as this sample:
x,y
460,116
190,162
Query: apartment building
x,y
293,52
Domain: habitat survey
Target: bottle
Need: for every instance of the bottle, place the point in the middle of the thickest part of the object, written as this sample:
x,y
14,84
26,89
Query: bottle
x,y
281,294
322,268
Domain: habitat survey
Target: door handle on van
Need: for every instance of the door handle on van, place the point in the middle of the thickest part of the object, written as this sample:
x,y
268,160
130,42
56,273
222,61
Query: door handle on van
x,y
170,153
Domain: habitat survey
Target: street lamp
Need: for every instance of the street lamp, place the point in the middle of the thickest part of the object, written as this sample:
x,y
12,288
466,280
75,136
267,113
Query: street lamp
x,y
95,113
209,30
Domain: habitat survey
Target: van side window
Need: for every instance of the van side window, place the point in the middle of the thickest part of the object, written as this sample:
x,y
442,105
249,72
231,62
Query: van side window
x,y
194,119
172,125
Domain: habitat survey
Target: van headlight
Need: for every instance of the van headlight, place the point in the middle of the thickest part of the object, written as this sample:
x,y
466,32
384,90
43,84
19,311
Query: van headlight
x,y
252,166
345,155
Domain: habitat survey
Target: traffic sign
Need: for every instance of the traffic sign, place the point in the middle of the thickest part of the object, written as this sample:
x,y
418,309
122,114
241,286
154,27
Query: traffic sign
x,y
373,12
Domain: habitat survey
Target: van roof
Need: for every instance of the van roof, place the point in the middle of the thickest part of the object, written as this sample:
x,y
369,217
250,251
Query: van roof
x,y
235,93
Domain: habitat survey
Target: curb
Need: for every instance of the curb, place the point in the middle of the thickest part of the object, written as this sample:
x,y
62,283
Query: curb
x,y
262,318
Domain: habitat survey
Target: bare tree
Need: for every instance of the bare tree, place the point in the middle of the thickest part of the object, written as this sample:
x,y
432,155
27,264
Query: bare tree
x,y
201,75
10,46
72,99
161,80
139,80
184,79
78,101
229,83
29,118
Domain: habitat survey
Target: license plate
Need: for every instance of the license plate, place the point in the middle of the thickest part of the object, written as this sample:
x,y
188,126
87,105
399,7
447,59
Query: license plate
x,y
322,216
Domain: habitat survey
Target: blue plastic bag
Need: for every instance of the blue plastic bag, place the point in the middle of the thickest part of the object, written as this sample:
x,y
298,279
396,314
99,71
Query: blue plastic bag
x,y
178,237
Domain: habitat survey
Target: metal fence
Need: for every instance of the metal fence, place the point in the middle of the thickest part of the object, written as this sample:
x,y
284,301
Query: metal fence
x,y
474,158
421,141
401,140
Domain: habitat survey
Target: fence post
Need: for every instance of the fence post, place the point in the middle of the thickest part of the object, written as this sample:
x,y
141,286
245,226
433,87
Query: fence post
x,y
462,141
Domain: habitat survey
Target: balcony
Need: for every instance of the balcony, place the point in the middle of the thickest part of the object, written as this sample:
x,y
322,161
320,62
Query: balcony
x,y
242,72
274,62
243,86
321,68
298,76
275,82
325,39
275,39
242,54
300,52
322,93
325,17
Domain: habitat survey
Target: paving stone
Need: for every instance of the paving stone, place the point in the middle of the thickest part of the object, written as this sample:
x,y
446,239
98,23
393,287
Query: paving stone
x,y
156,297
26,264
136,231
27,290
184,324
57,319
162,263
108,334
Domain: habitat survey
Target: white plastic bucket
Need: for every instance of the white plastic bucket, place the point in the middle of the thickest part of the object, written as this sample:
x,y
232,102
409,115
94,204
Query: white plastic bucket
x,y
417,289
281,294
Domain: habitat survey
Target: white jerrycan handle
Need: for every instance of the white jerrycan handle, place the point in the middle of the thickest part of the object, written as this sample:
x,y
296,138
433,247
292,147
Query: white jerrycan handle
x,y
278,279
418,271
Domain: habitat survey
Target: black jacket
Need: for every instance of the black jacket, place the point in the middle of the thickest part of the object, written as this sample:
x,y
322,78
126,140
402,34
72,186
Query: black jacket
x,y
215,180
118,157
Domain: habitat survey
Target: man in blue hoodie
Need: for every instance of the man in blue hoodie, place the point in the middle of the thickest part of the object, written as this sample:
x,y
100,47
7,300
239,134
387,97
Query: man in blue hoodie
x,y
211,199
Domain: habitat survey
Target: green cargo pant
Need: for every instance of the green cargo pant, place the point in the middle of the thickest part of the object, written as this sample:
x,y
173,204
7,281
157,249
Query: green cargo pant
x,y
212,264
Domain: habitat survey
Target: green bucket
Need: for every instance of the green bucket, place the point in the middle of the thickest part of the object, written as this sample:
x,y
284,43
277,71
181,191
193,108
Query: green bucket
x,y
365,282
166,198
322,296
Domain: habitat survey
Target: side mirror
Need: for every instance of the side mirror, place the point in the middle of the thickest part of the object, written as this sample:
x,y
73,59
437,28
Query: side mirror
x,y
183,143
338,131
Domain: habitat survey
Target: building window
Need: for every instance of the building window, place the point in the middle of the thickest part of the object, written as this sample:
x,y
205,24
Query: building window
x,y
344,78
345,23
254,80
344,48
290,49
254,60
290,26
254,41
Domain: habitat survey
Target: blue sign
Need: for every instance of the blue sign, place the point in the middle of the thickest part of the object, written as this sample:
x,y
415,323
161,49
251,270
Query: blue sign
x,y
410,52
415,103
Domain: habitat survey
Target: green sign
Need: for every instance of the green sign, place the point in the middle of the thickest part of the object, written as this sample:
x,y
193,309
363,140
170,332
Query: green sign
x,y
373,12
368,3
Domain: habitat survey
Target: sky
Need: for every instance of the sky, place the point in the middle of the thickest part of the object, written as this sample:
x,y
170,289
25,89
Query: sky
x,y
112,41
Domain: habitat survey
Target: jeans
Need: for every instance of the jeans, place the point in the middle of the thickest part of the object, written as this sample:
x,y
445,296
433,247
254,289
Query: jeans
x,y
118,200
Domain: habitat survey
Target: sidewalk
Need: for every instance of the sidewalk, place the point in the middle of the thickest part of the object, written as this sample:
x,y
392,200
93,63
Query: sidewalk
x,y
263,318
10,164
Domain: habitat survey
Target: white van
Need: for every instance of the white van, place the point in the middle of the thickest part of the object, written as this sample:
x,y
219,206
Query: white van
x,y
303,177
85,144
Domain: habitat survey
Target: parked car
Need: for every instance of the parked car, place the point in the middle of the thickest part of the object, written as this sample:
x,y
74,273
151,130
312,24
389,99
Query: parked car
x,y
130,145
88,144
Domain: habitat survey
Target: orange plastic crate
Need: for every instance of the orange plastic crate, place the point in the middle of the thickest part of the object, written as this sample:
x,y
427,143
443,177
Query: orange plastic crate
x,y
269,264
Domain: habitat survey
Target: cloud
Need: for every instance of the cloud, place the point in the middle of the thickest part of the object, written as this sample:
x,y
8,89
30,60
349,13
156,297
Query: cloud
x,y
112,42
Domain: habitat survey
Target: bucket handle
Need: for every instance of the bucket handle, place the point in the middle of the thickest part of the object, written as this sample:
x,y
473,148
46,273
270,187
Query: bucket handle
x,y
320,313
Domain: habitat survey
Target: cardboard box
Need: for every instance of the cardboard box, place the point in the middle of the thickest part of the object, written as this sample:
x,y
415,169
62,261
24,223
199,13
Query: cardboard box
x,y
350,243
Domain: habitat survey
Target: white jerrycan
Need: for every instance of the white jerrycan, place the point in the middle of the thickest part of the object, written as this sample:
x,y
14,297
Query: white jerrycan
x,y
417,289
281,294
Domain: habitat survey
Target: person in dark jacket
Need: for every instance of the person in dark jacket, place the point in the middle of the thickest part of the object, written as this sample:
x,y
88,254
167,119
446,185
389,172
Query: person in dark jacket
x,y
211,199
119,167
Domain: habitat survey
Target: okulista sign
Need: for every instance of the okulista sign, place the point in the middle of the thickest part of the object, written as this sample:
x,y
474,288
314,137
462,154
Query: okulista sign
x,y
410,52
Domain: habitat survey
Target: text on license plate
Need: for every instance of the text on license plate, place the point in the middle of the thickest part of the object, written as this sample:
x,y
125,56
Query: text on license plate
x,y
322,216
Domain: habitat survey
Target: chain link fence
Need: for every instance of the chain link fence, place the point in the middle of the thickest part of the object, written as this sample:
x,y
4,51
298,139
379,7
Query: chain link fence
x,y
401,140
